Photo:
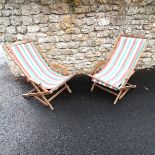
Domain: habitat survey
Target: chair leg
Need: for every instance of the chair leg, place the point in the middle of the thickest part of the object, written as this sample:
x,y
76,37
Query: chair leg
x,y
70,91
49,104
43,97
92,88
117,98
41,100
123,94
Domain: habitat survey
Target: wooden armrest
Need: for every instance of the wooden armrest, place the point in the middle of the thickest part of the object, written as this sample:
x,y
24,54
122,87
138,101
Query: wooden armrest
x,y
60,69
97,67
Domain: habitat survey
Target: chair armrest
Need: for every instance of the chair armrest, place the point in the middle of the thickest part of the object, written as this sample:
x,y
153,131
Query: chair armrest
x,y
60,69
98,66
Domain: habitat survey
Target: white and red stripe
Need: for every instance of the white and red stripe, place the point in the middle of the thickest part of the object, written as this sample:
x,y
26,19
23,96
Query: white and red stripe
x,y
122,61
34,66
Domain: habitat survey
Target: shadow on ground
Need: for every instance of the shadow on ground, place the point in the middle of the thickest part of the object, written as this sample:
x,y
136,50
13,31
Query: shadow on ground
x,y
82,123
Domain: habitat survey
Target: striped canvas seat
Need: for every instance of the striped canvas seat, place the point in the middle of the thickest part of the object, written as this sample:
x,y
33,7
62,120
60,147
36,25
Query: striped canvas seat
x,y
34,66
122,61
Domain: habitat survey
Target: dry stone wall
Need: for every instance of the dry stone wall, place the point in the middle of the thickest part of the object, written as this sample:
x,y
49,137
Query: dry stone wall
x,y
78,33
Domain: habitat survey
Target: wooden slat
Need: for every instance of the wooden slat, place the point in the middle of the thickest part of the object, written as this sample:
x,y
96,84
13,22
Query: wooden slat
x,y
36,94
40,100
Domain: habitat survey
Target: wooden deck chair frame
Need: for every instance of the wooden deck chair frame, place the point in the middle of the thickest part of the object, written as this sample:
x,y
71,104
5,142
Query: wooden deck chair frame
x,y
39,92
127,86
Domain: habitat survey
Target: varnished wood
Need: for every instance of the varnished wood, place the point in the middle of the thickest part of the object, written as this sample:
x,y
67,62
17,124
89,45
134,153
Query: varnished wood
x,y
92,88
57,93
40,100
57,67
69,90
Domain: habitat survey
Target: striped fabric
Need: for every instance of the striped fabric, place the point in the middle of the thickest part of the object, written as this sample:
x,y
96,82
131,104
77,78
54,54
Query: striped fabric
x,y
34,66
122,61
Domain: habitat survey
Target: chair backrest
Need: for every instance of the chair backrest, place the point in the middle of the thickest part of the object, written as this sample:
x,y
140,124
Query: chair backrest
x,y
31,62
123,59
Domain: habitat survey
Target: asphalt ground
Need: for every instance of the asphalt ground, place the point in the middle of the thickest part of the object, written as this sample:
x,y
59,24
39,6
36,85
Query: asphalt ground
x,y
82,123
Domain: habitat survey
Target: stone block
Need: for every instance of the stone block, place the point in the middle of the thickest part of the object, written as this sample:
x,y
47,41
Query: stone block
x,y
11,29
10,37
2,29
59,8
33,28
26,20
54,18
30,9
40,19
6,21
103,21
15,20
21,29
61,45
45,10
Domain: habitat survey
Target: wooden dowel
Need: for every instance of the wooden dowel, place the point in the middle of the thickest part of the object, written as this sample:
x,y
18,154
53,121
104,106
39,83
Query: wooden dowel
x,y
36,94
40,100
90,75
129,86
68,88
57,93
118,95
31,91
92,88
44,98
123,94
51,107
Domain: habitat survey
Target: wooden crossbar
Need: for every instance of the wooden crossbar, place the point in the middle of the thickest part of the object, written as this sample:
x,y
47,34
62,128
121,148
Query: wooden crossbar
x,y
57,93
40,100
36,94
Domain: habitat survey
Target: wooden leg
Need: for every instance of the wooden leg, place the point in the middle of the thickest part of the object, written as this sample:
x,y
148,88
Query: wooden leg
x,y
118,96
57,93
127,88
39,94
92,88
43,97
123,94
40,100
68,88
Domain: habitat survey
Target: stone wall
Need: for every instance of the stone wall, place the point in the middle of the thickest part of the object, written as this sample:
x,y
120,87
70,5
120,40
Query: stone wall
x,y
78,33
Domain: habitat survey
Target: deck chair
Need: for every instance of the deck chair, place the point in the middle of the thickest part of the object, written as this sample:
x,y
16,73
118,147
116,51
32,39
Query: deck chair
x,y
113,75
46,81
